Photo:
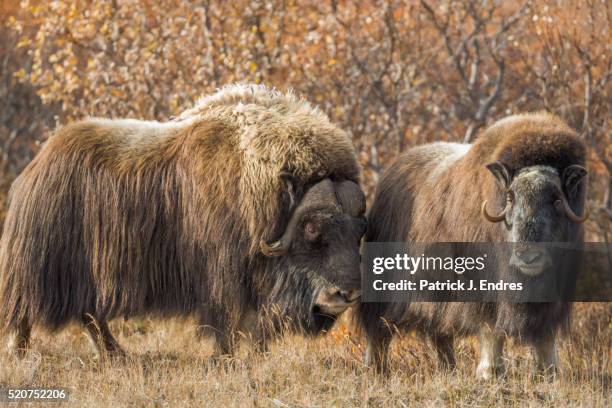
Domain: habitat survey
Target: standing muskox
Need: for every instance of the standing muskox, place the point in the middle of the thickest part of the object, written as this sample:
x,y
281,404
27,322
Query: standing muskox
x,y
244,211
521,182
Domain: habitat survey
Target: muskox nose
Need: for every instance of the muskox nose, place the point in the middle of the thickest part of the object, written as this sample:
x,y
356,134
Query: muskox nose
x,y
530,261
334,301
351,295
529,256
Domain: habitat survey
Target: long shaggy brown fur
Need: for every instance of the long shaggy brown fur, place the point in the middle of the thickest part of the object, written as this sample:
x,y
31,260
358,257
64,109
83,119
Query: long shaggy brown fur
x,y
434,193
124,217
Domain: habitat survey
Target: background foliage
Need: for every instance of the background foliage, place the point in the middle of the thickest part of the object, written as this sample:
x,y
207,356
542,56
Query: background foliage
x,y
392,73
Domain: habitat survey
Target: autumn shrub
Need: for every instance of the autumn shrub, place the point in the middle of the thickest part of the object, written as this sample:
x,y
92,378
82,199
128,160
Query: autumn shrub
x,y
392,73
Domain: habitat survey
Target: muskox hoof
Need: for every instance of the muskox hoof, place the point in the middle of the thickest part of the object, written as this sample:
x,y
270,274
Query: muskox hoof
x,y
485,372
19,342
488,372
224,361
545,374
382,369
379,364
17,351
448,366
18,348
21,353
117,355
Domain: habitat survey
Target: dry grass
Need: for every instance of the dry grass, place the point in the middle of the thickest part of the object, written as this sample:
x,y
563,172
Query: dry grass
x,y
167,367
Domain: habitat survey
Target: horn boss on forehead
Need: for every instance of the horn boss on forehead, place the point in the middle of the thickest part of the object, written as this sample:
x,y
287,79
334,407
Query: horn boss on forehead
x,y
350,197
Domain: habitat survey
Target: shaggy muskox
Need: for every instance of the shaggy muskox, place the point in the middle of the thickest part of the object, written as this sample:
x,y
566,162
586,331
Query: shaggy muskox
x,y
521,182
244,211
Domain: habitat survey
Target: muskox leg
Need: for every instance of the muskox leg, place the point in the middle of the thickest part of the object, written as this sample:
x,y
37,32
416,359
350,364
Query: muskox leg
x,y
223,339
20,342
224,345
444,348
491,350
101,337
377,351
545,355
253,327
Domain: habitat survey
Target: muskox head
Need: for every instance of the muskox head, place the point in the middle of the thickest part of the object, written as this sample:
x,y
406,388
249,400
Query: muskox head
x,y
316,258
541,206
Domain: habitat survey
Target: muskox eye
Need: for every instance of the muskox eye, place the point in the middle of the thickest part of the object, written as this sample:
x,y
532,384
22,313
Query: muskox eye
x,y
311,231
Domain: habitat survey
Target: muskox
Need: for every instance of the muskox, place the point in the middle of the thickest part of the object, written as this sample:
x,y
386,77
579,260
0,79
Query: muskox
x,y
245,212
521,181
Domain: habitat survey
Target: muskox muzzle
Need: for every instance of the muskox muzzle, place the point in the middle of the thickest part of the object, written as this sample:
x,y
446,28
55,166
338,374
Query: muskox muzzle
x,y
531,260
333,301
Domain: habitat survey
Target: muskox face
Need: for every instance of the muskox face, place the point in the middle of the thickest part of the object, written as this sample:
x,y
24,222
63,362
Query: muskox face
x,y
539,208
319,253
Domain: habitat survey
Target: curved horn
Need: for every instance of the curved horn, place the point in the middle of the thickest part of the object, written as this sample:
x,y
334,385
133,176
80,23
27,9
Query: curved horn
x,y
492,218
281,246
562,204
276,248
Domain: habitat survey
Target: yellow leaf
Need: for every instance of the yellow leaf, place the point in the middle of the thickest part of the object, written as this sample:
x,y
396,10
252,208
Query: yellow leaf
x,y
24,42
20,74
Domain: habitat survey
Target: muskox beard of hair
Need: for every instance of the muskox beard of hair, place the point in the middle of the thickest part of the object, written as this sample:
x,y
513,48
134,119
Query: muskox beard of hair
x,y
289,299
532,321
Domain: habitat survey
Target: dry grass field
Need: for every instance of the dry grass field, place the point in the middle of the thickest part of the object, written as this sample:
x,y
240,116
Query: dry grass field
x,y
167,367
